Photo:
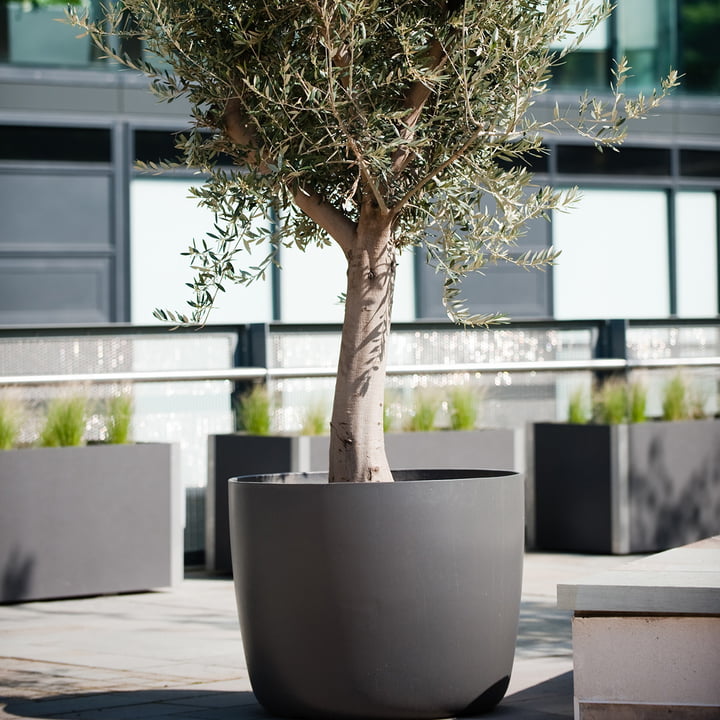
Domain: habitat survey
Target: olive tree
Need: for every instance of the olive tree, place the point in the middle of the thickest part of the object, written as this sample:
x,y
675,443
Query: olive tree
x,y
378,125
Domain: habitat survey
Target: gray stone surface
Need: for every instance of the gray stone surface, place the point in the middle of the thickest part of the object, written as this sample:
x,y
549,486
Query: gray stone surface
x,y
178,653
685,580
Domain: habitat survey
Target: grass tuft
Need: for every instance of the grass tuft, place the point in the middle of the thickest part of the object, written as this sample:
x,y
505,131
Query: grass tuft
x,y
425,408
577,408
463,408
11,416
675,404
119,419
637,402
65,423
315,421
253,413
610,403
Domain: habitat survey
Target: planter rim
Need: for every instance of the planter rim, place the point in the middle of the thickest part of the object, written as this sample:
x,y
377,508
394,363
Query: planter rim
x,y
644,423
86,445
402,476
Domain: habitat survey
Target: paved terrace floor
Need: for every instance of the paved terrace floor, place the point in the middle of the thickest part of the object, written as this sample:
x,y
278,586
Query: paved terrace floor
x,y
178,653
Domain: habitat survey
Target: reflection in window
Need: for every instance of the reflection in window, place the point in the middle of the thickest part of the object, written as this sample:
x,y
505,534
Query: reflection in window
x,y
654,35
33,33
647,37
700,49
588,65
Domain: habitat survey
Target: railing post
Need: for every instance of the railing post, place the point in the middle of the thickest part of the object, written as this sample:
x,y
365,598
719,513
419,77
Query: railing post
x,y
611,345
251,351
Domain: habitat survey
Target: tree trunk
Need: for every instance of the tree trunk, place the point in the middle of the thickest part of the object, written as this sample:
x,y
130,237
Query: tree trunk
x,y
357,442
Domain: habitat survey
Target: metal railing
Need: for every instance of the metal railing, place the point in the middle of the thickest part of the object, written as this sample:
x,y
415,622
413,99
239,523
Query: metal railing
x,y
264,373
523,380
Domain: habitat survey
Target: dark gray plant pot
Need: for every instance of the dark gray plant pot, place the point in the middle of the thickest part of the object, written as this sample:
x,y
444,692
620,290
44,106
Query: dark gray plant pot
x,y
382,600
89,520
236,454
626,488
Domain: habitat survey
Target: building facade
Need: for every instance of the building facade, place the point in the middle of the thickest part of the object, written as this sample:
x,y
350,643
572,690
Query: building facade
x,y
84,237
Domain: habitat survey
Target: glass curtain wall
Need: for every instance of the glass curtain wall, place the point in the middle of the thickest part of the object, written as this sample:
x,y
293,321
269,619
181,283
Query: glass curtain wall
x,y
33,33
653,35
698,47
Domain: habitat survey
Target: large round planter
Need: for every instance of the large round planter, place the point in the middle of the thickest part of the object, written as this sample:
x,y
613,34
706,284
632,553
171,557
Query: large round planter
x,y
378,600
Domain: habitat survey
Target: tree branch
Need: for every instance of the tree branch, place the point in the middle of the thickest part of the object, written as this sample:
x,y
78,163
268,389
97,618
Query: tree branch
x,y
328,217
243,134
415,100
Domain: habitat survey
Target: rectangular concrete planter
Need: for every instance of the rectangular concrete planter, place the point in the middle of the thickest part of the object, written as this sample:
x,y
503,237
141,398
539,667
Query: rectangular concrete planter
x,y
626,488
237,454
92,520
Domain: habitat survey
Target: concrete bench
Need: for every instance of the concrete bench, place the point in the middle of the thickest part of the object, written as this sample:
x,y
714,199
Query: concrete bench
x,y
646,637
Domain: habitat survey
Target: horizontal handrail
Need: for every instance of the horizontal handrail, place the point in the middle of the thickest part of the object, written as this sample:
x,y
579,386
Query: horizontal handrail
x,y
261,373
234,374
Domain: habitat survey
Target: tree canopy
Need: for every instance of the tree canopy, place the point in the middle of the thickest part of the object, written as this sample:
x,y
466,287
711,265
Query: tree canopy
x,y
422,107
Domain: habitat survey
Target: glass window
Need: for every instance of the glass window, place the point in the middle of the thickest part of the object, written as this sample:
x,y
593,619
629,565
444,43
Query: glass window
x,y
647,37
57,144
614,261
34,33
699,47
696,254
536,163
164,221
586,67
654,35
156,145
700,163
587,160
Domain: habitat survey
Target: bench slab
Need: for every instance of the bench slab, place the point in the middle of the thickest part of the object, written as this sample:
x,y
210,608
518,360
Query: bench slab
x,y
646,637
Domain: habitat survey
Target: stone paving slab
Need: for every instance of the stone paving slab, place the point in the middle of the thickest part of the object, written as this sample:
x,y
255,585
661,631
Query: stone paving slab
x,y
178,653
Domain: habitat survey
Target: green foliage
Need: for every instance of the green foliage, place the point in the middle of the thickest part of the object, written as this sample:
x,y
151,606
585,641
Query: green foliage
x,y
420,108
315,420
682,400
675,399
388,419
577,408
65,423
119,419
425,408
463,408
610,406
253,411
10,422
616,401
637,402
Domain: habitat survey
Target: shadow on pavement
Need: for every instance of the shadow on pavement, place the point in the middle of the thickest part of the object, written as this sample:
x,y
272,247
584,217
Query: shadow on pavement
x,y
137,704
549,699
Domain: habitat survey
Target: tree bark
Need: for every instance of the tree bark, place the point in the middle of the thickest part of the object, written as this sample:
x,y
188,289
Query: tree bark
x,y
357,442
